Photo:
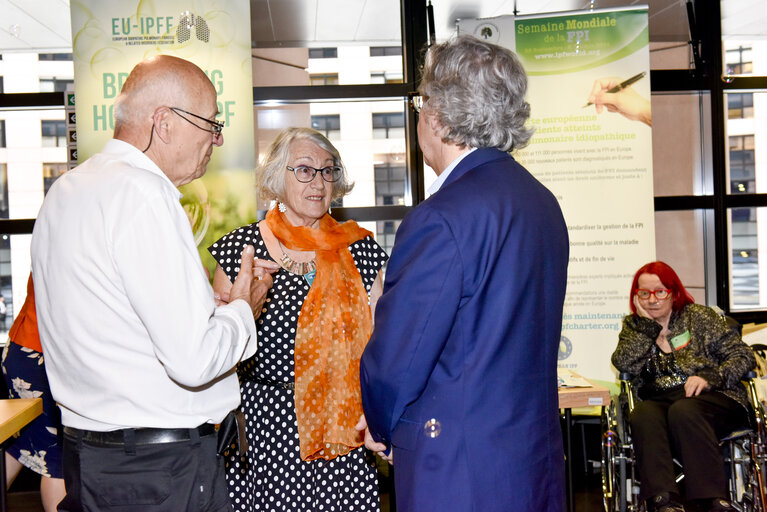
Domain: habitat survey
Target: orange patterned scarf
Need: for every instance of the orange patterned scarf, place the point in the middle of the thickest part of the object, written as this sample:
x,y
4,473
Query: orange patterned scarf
x,y
333,328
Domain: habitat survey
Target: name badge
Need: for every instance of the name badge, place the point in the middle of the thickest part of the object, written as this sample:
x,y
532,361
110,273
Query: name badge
x,y
680,341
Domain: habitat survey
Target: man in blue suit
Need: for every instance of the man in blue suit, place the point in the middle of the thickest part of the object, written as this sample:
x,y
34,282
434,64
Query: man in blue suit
x,y
459,376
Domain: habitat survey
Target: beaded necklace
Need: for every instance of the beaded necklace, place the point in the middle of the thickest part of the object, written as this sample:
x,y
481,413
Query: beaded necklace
x,y
307,269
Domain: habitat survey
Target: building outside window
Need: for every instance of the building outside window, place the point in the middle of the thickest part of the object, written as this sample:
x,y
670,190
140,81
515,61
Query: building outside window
x,y
323,53
385,51
55,84
324,79
385,77
55,56
329,125
739,61
740,105
54,133
51,171
390,184
385,233
388,125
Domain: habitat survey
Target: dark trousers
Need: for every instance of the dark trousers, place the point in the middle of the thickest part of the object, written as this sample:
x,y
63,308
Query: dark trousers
x,y
670,426
173,477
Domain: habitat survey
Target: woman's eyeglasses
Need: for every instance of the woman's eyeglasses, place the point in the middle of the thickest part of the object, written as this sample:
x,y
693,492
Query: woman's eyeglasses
x,y
661,294
305,174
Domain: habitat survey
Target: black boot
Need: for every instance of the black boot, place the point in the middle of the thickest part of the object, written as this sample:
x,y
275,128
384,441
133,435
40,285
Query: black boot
x,y
721,505
665,502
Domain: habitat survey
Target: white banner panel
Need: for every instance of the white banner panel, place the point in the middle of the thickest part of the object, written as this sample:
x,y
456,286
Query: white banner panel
x,y
599,165
109,38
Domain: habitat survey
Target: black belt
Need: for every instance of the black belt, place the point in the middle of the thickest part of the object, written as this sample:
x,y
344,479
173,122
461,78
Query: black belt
x,y
141,436
274,383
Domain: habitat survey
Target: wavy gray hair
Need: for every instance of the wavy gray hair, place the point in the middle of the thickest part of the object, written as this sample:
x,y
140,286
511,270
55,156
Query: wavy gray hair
x,y
271,172
477,91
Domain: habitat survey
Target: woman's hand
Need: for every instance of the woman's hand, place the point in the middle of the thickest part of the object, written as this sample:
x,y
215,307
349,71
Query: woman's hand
x,y
695,386
640,310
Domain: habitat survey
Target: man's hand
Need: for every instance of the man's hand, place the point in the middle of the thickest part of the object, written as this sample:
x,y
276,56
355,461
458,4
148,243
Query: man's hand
x,y
253,281
371,443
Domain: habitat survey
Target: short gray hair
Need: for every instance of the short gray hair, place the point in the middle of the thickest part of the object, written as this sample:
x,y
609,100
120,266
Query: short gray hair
x,y
271,170
477,91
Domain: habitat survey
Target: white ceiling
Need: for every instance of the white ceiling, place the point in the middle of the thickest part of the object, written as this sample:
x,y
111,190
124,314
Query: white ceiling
x,y
44,25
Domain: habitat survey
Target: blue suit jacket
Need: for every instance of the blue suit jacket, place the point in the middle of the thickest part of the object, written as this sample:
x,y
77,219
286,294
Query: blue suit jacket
x,y
459,375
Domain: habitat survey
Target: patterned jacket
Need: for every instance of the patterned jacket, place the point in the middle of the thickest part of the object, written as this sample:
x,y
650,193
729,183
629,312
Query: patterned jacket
x,y
715,352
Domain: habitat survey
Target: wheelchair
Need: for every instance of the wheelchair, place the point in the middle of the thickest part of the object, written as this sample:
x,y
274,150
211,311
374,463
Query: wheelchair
x,y
745,456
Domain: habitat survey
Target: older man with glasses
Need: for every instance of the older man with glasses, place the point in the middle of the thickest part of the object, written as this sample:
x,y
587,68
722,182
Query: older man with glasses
x,y
138,352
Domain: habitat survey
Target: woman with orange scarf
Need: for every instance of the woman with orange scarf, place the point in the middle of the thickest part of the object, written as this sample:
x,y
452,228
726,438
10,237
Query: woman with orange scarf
x,y
301,391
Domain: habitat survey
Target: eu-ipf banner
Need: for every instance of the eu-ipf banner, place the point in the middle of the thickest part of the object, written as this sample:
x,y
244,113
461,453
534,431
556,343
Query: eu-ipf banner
x,y
111,37
597,162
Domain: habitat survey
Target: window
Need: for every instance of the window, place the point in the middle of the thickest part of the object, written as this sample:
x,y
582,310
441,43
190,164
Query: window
x,y
389,125
739,61
385,232
324,79
54,56
54,133
744,236
386,77
329,125
55,84
390,184
740,105
385,51
3,191
323,53
51,171
742,165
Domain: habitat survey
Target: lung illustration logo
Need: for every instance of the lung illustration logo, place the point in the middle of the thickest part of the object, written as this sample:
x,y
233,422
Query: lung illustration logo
x,y
189,21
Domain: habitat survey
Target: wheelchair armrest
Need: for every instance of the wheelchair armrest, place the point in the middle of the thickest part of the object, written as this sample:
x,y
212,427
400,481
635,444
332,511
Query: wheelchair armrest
x,y
624,376
750,375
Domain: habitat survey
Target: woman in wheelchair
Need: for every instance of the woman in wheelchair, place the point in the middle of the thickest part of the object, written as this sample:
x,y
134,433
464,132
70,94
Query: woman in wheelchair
x,y
686,363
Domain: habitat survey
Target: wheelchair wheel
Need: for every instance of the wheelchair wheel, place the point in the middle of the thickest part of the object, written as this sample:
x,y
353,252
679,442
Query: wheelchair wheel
x,y
617,460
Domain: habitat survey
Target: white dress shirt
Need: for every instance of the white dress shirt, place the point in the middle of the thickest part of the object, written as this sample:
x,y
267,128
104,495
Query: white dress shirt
x,y
129,327
442,177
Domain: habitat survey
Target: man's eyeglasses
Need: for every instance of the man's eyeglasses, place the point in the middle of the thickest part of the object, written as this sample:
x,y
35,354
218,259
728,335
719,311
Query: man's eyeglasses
x,y
661,294
215,126
417,101
305,174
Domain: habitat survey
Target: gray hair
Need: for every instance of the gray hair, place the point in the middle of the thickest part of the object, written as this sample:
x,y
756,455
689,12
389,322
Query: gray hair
x,y
271,171
477,91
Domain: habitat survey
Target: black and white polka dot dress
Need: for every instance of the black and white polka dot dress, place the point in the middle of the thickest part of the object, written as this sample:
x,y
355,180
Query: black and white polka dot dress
x,y
272,476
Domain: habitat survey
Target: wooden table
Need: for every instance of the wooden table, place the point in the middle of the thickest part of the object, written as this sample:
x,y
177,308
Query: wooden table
x,y
595,395
15,414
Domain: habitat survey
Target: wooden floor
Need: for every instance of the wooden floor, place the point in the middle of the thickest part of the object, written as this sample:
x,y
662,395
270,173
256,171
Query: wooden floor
x,y
588,497
24,495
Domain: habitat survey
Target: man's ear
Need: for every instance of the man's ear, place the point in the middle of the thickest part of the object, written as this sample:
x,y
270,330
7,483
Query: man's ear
x,y
434,125
162,124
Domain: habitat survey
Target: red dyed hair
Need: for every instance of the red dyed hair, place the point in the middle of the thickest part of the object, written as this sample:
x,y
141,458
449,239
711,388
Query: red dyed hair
x,y
670,280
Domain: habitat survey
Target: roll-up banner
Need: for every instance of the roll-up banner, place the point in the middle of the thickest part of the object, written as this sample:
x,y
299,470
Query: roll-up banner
x,y
109,38
597,163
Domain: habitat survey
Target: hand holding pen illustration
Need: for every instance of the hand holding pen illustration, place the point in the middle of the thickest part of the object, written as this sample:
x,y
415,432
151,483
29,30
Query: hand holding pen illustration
x,y
618,96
